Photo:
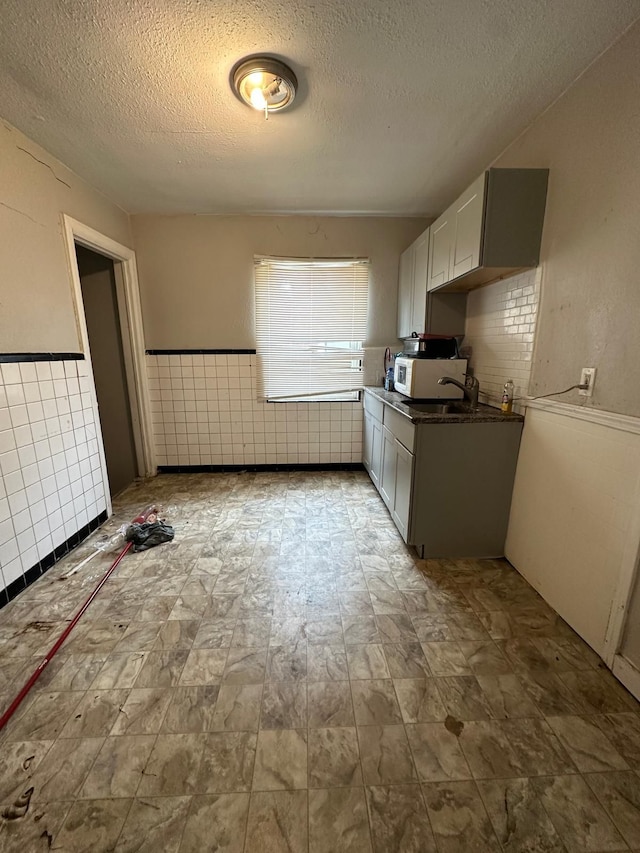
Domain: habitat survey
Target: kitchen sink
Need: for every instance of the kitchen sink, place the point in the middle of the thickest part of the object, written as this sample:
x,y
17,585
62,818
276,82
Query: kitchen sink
x,y
444,408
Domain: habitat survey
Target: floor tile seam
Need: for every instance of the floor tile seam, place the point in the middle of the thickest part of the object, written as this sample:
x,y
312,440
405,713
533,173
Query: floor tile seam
x,y
591,719
308,804
530,697
381,726
160,722
420,787
595,791
20,712
550,818
468,766
86,775
133,799
588,711
488,815
518,753
438,693
583,752
530,776
64,819
115,686
30,700
48,749
246,826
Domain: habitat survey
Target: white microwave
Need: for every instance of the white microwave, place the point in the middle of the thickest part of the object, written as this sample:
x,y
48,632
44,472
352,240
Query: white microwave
x,y
418,377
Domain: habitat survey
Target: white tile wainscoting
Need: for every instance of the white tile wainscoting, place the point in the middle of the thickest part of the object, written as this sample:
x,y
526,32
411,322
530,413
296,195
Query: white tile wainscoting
x,y
51,484
206,411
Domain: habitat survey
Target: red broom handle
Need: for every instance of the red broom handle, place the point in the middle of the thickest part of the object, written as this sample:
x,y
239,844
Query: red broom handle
x,y
140,519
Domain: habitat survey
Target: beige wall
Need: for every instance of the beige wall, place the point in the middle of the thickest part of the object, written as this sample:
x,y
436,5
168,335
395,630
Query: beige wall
x,y
590,305
36,309
196,272
576,492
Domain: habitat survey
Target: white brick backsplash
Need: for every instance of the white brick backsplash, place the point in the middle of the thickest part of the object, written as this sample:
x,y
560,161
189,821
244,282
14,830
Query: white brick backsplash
x,y
205,411
47,453
499,332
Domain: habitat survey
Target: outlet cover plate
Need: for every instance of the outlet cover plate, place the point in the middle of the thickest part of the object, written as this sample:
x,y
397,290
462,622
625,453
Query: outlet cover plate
x,y
588,375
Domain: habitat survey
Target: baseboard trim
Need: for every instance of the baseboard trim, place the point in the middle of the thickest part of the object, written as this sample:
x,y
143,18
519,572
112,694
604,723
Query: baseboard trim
x,y
628,674
43,565
230,469
17,357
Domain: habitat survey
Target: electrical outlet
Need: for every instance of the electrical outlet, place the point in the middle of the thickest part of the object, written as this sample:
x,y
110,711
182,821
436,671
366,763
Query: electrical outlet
x,y
587,377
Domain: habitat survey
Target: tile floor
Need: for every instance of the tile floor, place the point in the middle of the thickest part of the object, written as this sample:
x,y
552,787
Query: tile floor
x,y
286,676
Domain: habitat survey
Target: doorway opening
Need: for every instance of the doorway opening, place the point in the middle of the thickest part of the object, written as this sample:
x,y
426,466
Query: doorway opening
x,y
130,447
100,302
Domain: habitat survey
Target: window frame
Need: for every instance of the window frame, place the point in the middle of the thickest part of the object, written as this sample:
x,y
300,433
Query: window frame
x,y
266,329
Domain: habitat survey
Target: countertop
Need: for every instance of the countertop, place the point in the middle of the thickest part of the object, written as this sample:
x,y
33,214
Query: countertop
x,y
483,414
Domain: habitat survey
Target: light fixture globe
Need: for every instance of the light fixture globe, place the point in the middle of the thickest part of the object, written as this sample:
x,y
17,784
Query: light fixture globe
x,y
264,83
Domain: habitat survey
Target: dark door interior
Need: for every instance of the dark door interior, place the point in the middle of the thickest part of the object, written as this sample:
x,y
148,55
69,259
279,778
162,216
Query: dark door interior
x,y
105,342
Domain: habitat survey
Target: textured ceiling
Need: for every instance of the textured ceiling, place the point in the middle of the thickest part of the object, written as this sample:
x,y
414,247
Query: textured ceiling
x,y
401,102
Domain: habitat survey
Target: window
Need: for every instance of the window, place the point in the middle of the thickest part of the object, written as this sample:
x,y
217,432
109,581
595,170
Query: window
x,y
311,318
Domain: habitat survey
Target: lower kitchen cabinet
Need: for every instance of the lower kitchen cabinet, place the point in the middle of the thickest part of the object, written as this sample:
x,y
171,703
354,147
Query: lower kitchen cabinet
x,y
402,490
396,472
372,437
447,485
387,443
387,484
395,479
462,485
372,447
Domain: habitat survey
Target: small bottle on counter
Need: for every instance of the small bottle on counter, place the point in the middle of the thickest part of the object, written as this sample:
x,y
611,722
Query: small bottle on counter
x,y
388,380
507,397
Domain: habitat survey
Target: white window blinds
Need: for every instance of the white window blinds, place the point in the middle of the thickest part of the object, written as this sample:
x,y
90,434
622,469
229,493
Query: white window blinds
x,y
311,319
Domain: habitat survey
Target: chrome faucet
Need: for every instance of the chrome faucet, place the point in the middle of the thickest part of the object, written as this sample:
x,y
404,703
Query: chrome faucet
x,y
470,390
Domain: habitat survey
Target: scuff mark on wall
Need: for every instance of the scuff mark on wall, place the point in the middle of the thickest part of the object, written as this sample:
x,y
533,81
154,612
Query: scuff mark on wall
x,y
44,164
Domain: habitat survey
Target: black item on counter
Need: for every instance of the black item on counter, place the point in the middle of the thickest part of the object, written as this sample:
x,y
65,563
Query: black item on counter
x,y
149,534
431,346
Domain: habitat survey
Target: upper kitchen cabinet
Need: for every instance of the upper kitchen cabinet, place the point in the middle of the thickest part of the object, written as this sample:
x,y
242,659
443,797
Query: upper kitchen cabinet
x,y
441,241
467,240
412,287
405,292
419,311
419,297
494,229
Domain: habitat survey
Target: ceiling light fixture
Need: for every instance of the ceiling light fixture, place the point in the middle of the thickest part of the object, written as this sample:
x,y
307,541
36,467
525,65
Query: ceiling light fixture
x,y
264,84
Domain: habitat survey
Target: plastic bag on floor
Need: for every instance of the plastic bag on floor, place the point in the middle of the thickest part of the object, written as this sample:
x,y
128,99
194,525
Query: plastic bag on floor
x,y
149,534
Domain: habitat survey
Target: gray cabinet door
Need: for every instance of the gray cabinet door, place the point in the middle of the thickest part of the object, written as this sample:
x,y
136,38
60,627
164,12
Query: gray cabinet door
x,y
403,487
440,245
420,274
367,440
468,231
405,291
376,452
387,486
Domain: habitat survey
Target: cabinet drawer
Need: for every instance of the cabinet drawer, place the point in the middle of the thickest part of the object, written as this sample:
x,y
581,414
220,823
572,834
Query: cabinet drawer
x,y
374,406
402,428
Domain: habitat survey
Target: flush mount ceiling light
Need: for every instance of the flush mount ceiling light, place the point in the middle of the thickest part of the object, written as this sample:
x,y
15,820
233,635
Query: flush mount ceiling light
x,y
264,84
